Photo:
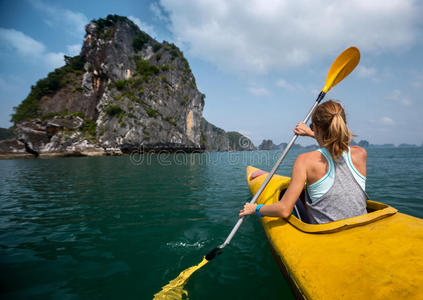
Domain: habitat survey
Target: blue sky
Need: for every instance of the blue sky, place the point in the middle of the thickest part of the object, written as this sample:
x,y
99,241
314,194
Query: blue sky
x,y
260,63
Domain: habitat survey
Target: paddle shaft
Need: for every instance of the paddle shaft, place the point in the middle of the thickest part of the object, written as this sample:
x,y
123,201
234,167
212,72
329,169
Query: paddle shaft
x,y
269,177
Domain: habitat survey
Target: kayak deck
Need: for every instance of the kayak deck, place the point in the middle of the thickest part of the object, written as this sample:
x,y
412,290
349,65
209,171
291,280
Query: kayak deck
x,y
378,255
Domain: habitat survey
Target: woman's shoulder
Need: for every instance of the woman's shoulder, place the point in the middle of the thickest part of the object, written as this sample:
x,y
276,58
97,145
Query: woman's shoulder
x,y
310,156
359,157
358,152
315,164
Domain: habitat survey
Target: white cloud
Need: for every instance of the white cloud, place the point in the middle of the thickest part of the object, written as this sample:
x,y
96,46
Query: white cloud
x,y
73,50
144,26
386,121
158,12
284,84
397,96
366,72
21,43
259,91
74,22
54,60
31,49
256,36
418,81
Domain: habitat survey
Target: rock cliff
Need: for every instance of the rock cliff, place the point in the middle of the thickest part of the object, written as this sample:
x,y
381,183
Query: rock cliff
x,y
214,138
267,145
125,92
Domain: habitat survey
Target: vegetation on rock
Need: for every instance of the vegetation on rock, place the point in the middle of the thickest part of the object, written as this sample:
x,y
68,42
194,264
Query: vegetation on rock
x,y
144,68
120,84
156,47
114,110
29,108
62,114
140,39
152,113
89,127
170,120
109,21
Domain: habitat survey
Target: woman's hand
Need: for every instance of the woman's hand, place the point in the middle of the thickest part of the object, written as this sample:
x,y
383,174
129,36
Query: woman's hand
x,y
303,130
249,209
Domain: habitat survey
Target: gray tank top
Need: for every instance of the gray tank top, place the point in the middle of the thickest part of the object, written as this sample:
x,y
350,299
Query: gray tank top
x,y
345,199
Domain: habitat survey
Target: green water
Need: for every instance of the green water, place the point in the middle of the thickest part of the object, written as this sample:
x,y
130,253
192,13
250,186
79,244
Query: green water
x,y
122,227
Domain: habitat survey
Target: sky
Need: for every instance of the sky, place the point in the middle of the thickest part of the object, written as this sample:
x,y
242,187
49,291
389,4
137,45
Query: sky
x,y
260,63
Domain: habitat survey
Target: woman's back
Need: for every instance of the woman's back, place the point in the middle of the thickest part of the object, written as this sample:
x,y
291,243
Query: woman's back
x,y
335,188
318,165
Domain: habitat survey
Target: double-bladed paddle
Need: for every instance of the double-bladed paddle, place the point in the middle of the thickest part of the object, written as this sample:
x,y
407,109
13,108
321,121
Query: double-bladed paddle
x,y
341,67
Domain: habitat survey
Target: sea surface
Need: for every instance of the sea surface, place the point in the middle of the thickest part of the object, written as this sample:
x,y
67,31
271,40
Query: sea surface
x,y
123,227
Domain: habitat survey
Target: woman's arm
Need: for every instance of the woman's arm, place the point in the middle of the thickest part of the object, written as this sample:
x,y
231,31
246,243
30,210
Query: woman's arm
x,y
283,207
303,130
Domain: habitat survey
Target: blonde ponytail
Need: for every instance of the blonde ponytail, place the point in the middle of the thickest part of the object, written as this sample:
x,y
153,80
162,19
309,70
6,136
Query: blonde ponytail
x,y
331,121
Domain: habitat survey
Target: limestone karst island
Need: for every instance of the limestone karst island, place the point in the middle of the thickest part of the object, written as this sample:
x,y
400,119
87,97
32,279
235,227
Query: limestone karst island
x,y
125,92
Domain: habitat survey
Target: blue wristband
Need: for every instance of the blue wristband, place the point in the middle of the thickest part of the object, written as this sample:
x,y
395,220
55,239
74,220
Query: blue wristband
x,y
258,210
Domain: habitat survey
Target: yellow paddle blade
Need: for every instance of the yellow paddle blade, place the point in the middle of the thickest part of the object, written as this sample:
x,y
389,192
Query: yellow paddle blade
x,y
341,67
175,288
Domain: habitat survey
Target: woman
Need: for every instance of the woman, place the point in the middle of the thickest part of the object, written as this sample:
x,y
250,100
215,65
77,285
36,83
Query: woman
x,y
335,174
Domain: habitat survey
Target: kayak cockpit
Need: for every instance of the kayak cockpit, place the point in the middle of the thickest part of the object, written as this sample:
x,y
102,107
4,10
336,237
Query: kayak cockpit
x,y
376,211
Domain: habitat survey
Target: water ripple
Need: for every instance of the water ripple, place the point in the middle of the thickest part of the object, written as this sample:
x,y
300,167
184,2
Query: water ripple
x,y
102,227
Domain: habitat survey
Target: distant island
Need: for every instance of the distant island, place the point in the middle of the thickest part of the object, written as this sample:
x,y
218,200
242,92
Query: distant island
x,y
269,145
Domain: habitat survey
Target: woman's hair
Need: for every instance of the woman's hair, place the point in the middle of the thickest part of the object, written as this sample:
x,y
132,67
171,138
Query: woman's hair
x,y
331,121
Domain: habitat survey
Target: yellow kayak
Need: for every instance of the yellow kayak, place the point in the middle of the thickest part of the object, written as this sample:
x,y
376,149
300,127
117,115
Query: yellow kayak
x,y
378,255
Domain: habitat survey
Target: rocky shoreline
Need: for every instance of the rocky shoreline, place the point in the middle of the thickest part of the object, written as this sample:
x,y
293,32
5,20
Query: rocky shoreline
x,y
21,153
64,136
